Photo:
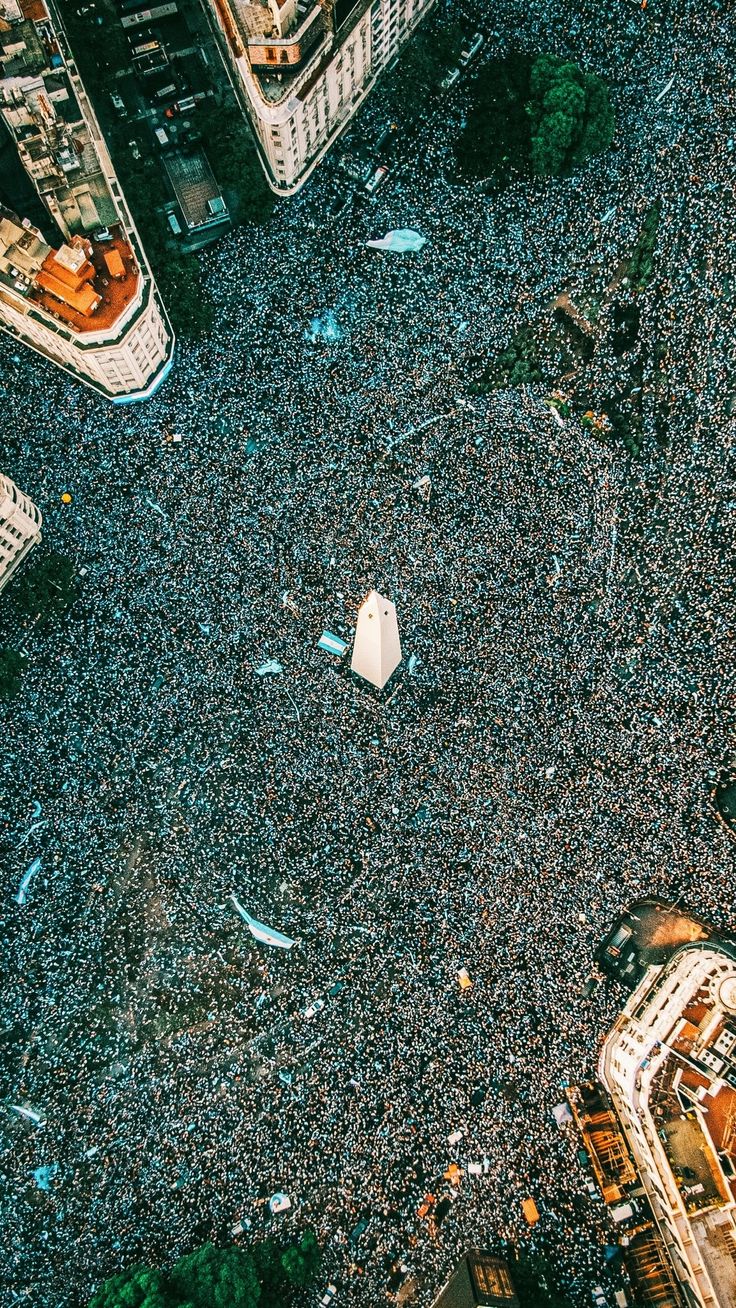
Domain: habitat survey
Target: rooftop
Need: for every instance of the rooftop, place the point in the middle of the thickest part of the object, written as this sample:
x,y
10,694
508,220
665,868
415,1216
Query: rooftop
x,y
480,1280
102,297
195,188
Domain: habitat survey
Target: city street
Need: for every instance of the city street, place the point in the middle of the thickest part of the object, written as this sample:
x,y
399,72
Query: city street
x,y
545,756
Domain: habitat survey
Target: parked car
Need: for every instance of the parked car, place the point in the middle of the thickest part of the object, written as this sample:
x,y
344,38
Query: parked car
x,y
468,55
450,78
103,234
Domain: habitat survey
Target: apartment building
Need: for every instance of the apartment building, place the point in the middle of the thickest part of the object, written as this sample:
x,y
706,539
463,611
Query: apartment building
x,y
669,1066
20,528
303,67
81,292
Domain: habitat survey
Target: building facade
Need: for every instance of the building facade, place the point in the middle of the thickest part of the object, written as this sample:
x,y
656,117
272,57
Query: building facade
x,y
20,528
669,1066
303,67
85,297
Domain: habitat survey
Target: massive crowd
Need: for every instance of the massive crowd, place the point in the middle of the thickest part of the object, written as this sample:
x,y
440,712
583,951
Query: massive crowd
x,y
543,757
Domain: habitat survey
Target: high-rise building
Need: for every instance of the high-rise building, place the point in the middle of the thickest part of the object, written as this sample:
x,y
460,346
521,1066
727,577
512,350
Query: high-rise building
x,y
20,528
304,66
80,292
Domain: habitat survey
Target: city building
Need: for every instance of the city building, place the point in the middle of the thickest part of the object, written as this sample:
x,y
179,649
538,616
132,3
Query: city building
x,y
20,528
201,212
75,286
480,1280
669,1068
302,68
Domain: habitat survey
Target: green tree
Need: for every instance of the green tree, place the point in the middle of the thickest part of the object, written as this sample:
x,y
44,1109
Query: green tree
x,y
215,1278
302,1261
138,1287
11,670
570,116
47,587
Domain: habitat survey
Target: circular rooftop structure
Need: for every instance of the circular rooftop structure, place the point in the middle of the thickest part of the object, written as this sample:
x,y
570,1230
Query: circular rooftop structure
x,y
727,993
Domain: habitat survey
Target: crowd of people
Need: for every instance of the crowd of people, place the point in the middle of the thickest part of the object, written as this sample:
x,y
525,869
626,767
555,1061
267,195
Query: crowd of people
x,y
542,757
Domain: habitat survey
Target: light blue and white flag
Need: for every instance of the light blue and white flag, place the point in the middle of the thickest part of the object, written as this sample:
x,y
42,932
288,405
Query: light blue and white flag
x,y
263,934
399,241
331,644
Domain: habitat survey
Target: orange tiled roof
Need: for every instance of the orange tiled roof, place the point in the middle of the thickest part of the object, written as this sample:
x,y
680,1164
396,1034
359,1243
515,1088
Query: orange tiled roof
x,y
83,298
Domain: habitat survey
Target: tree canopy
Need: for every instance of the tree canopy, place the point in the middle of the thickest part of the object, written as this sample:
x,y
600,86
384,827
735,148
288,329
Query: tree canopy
x,y
301,1262
138,1287
543,115
570,116
219,1278
216,1278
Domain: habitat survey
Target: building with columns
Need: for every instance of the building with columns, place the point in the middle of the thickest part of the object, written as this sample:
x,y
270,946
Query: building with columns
x,y
20,528
80,291
303,67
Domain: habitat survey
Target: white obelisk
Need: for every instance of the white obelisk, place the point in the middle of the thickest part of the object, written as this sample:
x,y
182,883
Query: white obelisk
x,y
377,649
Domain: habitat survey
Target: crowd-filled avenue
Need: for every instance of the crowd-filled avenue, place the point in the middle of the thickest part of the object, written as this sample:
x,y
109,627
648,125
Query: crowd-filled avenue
x,y
543,756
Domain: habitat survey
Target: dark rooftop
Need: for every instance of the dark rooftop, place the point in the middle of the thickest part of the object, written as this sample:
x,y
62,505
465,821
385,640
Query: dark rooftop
x,y
195,188
480,1280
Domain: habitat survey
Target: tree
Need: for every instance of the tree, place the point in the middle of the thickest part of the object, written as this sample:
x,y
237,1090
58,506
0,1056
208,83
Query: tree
x,y
138,1287
47,587
215,1278
301,1262
11,670
570,116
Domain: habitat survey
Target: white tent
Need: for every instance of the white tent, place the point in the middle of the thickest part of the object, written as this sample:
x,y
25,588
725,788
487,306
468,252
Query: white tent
x,y
377,649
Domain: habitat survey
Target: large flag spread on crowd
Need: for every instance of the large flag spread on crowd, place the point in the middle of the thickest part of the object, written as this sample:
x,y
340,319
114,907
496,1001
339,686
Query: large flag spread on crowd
x,y
399,241
263,934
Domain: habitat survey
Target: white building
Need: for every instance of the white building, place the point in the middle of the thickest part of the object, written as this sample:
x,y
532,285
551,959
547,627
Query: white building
x,y
669,1065
20,528
88,301
304,66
